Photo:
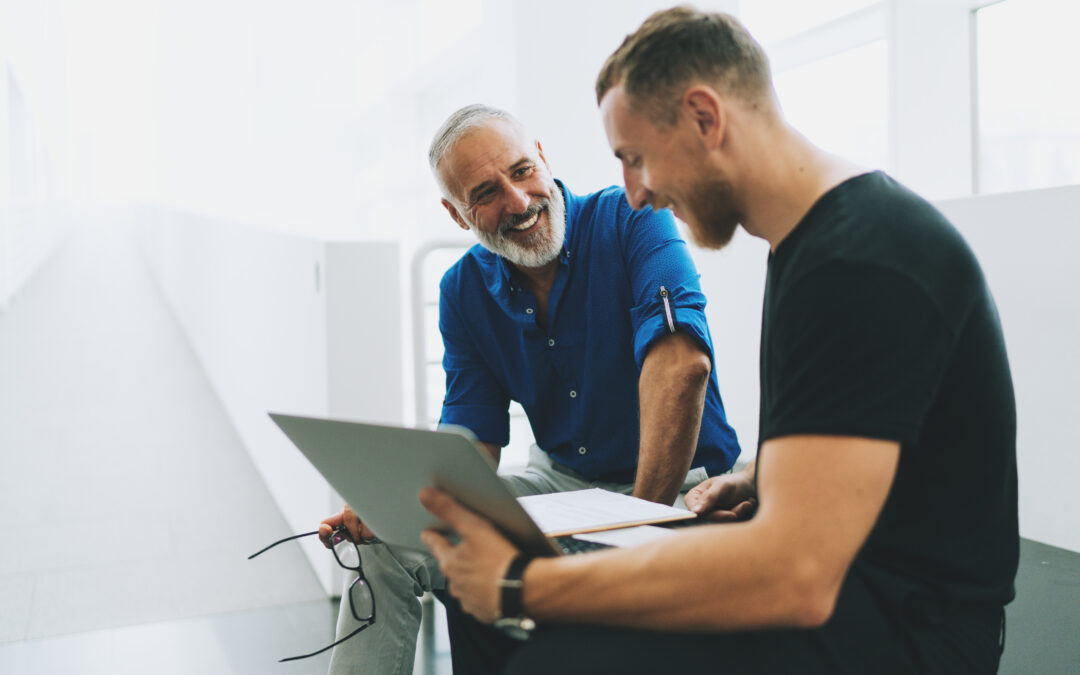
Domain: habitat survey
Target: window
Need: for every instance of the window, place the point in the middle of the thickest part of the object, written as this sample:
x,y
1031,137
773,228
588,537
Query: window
x,y
830,62
841,103
774,20
1028,102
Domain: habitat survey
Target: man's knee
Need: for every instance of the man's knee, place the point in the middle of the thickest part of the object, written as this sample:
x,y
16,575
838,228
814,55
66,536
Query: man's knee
x,y
400,567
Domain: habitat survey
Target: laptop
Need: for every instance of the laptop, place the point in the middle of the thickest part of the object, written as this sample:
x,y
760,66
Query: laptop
x,y
380,470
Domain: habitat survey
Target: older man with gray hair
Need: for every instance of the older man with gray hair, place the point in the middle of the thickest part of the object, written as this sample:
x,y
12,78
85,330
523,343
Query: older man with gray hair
x,y
584,311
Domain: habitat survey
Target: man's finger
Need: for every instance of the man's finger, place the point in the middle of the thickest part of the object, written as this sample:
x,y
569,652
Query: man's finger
x,y
746,509
325,530
447,508
334,520
436,543
352,524
721,516
704,496
741,512
366,535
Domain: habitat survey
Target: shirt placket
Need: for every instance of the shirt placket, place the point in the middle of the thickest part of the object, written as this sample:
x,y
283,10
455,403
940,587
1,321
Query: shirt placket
x,y
570,382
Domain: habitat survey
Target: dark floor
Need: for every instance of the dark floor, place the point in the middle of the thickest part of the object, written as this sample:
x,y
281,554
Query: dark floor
x,y
1043,623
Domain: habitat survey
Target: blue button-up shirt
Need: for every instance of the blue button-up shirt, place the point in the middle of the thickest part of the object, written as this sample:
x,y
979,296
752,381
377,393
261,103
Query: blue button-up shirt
x,y
625,279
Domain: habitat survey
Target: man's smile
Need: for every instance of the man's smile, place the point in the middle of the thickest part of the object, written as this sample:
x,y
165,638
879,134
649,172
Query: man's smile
x,y
526,225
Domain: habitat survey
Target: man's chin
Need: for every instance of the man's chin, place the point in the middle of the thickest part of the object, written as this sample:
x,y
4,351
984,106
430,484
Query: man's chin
x,y
712,236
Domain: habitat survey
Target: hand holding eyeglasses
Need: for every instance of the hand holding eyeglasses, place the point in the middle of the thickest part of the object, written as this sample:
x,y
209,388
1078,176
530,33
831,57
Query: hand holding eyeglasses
x,y
359,596
352,524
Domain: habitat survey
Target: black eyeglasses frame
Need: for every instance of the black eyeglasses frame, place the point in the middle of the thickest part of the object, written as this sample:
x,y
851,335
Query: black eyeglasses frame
x,y
338,536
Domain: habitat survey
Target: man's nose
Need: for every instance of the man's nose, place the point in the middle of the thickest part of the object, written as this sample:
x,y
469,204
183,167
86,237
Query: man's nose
x,y
637,195
518,199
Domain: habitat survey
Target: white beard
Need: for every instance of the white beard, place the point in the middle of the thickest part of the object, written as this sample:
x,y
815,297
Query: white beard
x,y
541,246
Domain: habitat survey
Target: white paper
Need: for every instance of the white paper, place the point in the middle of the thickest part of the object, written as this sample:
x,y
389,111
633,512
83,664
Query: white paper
x,y
627,536
579,511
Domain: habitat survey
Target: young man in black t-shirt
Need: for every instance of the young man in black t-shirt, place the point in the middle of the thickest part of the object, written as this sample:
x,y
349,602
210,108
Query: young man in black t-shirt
x,y
885,537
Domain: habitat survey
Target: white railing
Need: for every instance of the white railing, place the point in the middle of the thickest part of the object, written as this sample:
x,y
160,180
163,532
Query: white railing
x,y
429,262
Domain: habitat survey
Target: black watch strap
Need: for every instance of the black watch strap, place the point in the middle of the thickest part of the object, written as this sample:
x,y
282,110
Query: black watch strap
x,y
512,603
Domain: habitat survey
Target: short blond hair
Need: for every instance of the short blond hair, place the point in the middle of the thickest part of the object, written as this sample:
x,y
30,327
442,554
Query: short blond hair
x,y
677,47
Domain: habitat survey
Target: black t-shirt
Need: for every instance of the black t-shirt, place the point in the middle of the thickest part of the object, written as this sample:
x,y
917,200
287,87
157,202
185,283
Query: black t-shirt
x,y
878,323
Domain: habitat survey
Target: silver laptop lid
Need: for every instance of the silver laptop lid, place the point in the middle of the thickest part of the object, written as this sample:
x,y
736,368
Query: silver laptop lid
x,y
379,470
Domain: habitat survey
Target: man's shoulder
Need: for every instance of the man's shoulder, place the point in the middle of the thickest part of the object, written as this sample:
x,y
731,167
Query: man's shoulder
x,y
476,266
606,213
876,225
872,219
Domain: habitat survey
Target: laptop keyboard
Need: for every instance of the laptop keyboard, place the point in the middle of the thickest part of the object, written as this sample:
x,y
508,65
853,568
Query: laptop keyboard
x,y
570,545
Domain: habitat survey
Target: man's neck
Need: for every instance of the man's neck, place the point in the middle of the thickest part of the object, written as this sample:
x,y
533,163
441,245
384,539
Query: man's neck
x,y
783,187
539,280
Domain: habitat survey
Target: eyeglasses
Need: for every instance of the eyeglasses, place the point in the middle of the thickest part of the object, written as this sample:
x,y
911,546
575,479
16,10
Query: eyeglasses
x,y
361,600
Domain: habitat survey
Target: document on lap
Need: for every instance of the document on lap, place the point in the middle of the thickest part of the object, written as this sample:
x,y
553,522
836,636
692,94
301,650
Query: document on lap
x,y
627,536
565,513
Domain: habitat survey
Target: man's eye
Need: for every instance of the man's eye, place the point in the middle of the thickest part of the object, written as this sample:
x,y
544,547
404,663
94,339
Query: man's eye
x,y
523,171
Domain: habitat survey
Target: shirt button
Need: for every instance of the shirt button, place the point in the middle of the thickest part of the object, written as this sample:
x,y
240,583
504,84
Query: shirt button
x,y
581,450
551,342
573,394
529,310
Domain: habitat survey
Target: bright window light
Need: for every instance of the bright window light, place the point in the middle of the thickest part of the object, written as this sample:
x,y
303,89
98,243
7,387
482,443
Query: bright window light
x,y
1028,100
770,21
841,103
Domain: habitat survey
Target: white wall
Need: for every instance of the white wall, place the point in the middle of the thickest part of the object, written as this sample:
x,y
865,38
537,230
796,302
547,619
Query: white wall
x,y
28,236
35,215
733,280
284,323
1026,243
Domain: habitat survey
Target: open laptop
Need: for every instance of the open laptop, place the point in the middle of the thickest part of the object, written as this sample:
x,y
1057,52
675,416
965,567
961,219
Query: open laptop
x,y
379,470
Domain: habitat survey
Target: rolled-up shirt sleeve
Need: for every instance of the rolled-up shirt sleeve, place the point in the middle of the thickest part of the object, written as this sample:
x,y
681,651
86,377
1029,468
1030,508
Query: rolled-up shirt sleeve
x,y
664,281
474,398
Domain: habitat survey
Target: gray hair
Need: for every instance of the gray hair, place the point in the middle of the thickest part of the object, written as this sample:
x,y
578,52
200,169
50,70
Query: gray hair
x,y
455,126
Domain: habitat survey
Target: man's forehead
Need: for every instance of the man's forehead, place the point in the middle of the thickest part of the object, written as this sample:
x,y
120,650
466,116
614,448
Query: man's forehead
x,y
617,115
482,152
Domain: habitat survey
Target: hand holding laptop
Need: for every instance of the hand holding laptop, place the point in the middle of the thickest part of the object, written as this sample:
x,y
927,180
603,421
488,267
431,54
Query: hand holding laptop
x,y
476,562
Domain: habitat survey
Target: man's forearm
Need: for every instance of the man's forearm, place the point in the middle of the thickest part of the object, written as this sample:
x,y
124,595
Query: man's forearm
x,y
689,582
820,498
671,393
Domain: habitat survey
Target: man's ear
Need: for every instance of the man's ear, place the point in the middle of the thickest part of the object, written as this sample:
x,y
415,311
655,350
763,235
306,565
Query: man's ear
x,y
707,113
452,210
540,149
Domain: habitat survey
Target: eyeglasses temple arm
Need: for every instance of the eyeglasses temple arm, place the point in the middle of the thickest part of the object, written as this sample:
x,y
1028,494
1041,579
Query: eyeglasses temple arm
x,y
281,541
329,646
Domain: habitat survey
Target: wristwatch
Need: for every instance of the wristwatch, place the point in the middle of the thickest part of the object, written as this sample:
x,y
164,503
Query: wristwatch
x,y
512,620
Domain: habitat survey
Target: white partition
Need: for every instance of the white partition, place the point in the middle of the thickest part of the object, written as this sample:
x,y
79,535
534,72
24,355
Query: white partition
x,y
1027,243
285,323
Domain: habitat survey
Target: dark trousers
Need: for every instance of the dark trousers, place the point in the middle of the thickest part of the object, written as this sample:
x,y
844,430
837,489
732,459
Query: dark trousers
x,y
879,626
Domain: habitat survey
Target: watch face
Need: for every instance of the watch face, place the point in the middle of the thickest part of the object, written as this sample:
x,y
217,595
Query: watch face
x,y
516,627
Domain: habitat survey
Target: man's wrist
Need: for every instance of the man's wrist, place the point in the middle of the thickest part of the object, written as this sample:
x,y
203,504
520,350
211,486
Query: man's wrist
x,y
511,616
